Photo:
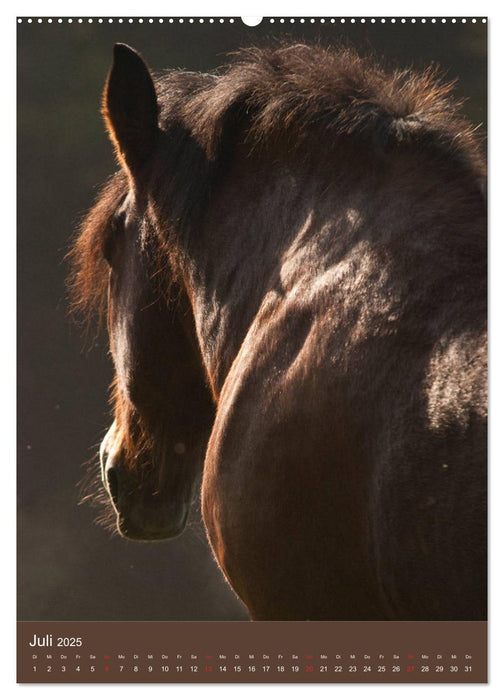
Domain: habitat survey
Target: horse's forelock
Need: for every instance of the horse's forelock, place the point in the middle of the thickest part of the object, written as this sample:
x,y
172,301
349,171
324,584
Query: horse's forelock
x,y
88,278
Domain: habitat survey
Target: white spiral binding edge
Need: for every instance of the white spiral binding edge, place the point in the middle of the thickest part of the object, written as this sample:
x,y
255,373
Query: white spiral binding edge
x,y
266,20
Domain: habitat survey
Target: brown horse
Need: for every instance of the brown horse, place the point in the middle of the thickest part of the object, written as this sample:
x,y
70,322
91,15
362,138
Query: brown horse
x,y
294,256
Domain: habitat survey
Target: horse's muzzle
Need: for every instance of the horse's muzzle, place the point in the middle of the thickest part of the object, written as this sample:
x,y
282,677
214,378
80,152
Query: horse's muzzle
x,y
144,510
149,520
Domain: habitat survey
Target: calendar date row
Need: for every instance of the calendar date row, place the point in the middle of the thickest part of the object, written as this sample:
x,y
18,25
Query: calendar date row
x,y
251,668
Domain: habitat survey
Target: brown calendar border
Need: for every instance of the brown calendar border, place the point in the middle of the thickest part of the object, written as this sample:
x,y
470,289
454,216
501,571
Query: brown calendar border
x,y
211,652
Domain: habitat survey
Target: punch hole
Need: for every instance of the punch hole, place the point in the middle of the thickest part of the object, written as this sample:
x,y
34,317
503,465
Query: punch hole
x,y
251,21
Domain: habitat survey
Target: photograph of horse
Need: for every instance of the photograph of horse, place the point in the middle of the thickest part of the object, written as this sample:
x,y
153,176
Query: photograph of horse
x,y
291,261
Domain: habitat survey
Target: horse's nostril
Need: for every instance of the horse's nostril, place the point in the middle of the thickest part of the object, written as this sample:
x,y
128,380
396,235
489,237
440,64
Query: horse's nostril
x,y
113,485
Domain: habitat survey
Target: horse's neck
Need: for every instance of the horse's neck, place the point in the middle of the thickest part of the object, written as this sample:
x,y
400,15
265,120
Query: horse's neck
x,y
273,232
237,261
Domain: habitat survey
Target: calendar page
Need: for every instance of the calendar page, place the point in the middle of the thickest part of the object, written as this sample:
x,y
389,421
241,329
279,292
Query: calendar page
x,y
252,349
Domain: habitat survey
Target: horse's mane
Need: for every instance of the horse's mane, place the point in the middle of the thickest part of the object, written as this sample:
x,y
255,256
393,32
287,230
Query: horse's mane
x,y
297,92
295,89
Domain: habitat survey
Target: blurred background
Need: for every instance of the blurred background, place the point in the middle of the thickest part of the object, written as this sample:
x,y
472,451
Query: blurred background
x,y
69,568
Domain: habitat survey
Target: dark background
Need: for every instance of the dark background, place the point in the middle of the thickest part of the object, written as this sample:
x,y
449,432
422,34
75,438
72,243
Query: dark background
x,y
68,567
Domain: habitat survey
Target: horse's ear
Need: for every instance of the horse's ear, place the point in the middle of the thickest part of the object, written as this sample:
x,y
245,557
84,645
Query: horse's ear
x,y
130,108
